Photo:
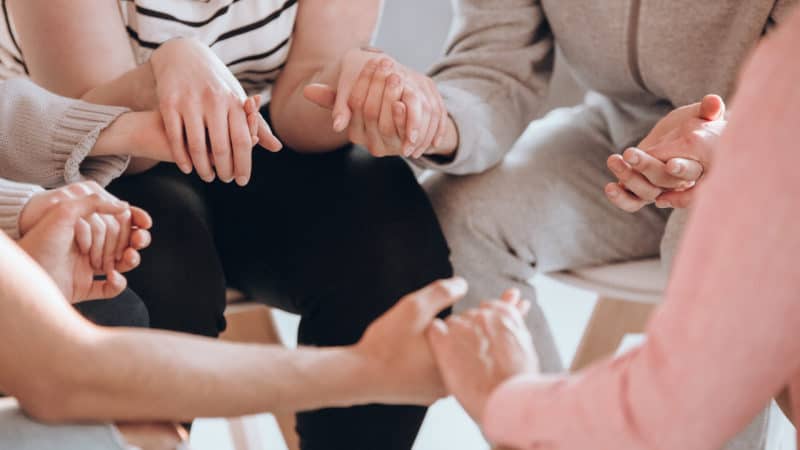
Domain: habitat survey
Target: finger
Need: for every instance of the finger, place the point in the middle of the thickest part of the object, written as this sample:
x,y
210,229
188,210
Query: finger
x,y
266,138
653,170
241,145
130,260
511,296
219,136
391,95
83,236
358,98
712,107
342,113
321,95
676,199
140,218
173,126
432,114
685,169
125,222
86,206
432,299
98,241
113,232
623,199
633,181
443,115
414,121
524,307
111,287
140,239
399,115
196,139
373,105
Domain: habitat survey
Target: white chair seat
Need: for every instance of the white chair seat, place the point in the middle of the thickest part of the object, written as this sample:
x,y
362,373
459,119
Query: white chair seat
x,y
638,281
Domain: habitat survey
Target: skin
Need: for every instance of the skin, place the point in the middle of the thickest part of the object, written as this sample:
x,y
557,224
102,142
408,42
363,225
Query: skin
x,y
491,344
89,373
668,164
191,102
390,109
110,242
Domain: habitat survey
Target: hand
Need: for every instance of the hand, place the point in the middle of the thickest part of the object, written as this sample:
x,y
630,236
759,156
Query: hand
x,y
142,134
52,243
396,348
386,107
481,349
111,242
670,161
200,97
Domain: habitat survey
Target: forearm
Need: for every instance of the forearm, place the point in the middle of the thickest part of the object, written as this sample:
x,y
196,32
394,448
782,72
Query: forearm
x,y
153,375
135,89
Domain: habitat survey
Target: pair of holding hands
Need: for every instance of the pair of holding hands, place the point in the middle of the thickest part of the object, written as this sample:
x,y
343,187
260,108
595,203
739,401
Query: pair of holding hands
x,y
669,163
420,358
81,231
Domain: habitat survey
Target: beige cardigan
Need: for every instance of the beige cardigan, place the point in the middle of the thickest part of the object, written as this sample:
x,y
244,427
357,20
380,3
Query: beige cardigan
x,y
45,141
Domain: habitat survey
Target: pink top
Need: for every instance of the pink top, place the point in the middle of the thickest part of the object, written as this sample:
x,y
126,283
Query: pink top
x,y
727,338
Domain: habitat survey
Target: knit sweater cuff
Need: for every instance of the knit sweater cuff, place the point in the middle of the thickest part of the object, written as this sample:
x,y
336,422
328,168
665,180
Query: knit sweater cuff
x,y
13,198
74,135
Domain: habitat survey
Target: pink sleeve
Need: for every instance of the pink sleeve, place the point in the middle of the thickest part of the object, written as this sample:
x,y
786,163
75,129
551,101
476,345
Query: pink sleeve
x,y
728,335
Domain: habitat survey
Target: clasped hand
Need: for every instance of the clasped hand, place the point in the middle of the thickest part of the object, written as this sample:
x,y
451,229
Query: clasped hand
x,y
669,163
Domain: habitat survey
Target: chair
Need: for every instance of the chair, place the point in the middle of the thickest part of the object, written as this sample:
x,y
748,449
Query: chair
x,y
627,295
253,322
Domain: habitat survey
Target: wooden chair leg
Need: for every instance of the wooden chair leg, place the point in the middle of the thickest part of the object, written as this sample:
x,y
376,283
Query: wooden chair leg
x,y
611,320
243,435
253,322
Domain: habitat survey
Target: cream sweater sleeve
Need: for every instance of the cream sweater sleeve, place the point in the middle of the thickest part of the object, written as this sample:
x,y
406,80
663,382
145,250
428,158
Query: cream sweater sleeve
x,y
13,197
45,139
493,78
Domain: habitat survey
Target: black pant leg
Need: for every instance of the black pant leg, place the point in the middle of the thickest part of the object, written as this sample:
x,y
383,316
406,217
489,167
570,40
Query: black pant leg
x,y
342,236
180,279
124,310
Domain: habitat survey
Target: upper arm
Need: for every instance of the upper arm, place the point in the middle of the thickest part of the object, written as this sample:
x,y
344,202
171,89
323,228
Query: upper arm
x,y
71,46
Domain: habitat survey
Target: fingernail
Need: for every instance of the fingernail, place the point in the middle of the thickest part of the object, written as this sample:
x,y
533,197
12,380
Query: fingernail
x,y
677,169
186,168
408,152
663,204
242,181
338,123
413,136
612,191
631,158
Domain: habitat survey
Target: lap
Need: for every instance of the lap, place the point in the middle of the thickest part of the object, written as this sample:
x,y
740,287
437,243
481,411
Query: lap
x,y
545,201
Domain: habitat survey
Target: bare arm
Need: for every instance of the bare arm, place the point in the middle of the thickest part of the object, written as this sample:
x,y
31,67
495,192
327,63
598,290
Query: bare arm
x,y
325,31
72,370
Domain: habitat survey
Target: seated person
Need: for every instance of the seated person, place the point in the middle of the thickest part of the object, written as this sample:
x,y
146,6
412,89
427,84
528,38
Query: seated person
x,y
724,342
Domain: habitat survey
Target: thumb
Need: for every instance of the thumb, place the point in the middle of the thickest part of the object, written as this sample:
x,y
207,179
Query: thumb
x,y
712,108
432,299
437,332
320,94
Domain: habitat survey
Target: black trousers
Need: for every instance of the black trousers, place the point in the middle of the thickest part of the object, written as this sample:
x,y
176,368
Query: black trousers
x,y
124,310
337,238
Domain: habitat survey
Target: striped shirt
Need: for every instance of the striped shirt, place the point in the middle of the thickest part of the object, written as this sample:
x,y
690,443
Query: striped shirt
x,y
252,37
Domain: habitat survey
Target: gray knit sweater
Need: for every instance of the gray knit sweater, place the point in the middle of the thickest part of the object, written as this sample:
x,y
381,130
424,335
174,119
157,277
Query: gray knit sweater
x,y
642,57
45,141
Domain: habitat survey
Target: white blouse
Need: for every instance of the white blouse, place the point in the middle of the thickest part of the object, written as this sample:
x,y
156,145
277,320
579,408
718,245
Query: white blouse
x,y
252,37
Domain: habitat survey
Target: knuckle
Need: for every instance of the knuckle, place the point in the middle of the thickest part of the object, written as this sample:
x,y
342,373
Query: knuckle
x,y
371,112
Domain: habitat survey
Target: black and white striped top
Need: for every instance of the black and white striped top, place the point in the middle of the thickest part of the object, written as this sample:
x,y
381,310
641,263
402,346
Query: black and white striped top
x,y
251,36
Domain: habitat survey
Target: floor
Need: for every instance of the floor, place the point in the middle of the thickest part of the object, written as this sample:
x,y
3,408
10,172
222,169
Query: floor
x,y
447,426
